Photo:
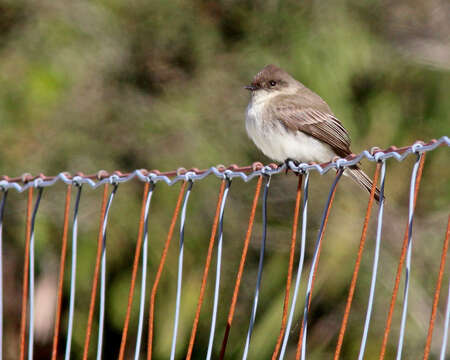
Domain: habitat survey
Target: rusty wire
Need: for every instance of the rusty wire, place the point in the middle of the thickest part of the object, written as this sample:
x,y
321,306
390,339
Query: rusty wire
x,y
357,264
437,292
205,271
96,274
137,254
62,263
400,265
160,270
290,266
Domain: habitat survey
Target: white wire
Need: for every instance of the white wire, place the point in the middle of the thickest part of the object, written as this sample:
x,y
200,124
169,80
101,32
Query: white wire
x,y
101,320
313,264
73,274
180,271
218,266
376,257
300,267
144,274
260,269
408,257
31,285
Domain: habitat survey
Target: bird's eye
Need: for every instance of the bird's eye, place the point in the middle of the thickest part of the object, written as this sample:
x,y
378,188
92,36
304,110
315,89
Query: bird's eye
x,y
272,83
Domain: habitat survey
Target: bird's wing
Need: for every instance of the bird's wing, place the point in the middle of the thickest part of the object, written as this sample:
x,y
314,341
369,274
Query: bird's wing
x,y
318,123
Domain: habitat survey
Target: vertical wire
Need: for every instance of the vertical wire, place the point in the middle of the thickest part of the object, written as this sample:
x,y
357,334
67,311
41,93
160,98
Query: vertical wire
x,y
2,211
437,292
206,270
447,320
160,270
290,265
144,274
73,274
362,243
101,319
180,271
260,269
241,268
408,258
96,271
300,266
137,254
376,257
400,267
62,264
301,346
218,268
31,290
26,263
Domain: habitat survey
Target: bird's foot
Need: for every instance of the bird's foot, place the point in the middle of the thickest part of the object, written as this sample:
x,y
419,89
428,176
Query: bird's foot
x,y
286,162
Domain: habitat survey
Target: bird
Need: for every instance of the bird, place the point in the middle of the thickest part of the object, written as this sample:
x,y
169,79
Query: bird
x,y
288,121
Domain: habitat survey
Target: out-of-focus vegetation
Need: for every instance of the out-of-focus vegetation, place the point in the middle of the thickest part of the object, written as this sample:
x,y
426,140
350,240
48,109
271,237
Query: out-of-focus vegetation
x,y
90,85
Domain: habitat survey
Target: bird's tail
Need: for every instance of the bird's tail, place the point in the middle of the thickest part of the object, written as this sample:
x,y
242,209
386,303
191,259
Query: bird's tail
x,y
363,180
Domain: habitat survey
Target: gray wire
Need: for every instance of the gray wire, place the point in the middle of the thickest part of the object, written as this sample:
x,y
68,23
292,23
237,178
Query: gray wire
x,y
2,211
219,261
408,257
313,264
101,320
376,257
260,269
447,320
180,270
300,267
144,273
266,170
73,274
31,288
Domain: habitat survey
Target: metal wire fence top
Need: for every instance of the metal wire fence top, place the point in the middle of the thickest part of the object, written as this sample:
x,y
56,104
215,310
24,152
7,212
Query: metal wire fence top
x,y
246,173
300,326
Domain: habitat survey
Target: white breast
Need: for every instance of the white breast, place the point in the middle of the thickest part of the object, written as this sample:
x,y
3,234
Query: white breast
x,y
280,144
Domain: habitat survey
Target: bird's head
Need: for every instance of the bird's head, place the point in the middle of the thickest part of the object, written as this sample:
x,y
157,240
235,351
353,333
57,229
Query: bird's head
x,y
272,79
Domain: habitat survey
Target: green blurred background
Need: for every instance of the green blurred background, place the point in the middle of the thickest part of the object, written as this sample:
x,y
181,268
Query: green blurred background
x,y
90,85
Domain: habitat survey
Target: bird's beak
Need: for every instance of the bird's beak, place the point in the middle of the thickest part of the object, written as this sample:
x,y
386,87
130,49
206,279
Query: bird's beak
x,y
251,87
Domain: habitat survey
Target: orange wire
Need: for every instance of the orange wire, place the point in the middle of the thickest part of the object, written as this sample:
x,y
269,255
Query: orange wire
x,y
205,271
437,292
23,320
400,265
159,272
291,264
137,254
241,269
61,273
357,264
299,344
96,271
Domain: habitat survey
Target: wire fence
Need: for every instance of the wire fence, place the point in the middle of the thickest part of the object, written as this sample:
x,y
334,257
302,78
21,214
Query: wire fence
x,y
292,296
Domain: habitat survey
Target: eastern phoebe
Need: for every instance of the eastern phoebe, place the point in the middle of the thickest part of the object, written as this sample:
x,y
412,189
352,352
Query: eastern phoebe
x,y
287,121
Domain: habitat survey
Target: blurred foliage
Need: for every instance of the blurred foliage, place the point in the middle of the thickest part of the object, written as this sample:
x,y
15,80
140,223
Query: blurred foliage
x,y
90,85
